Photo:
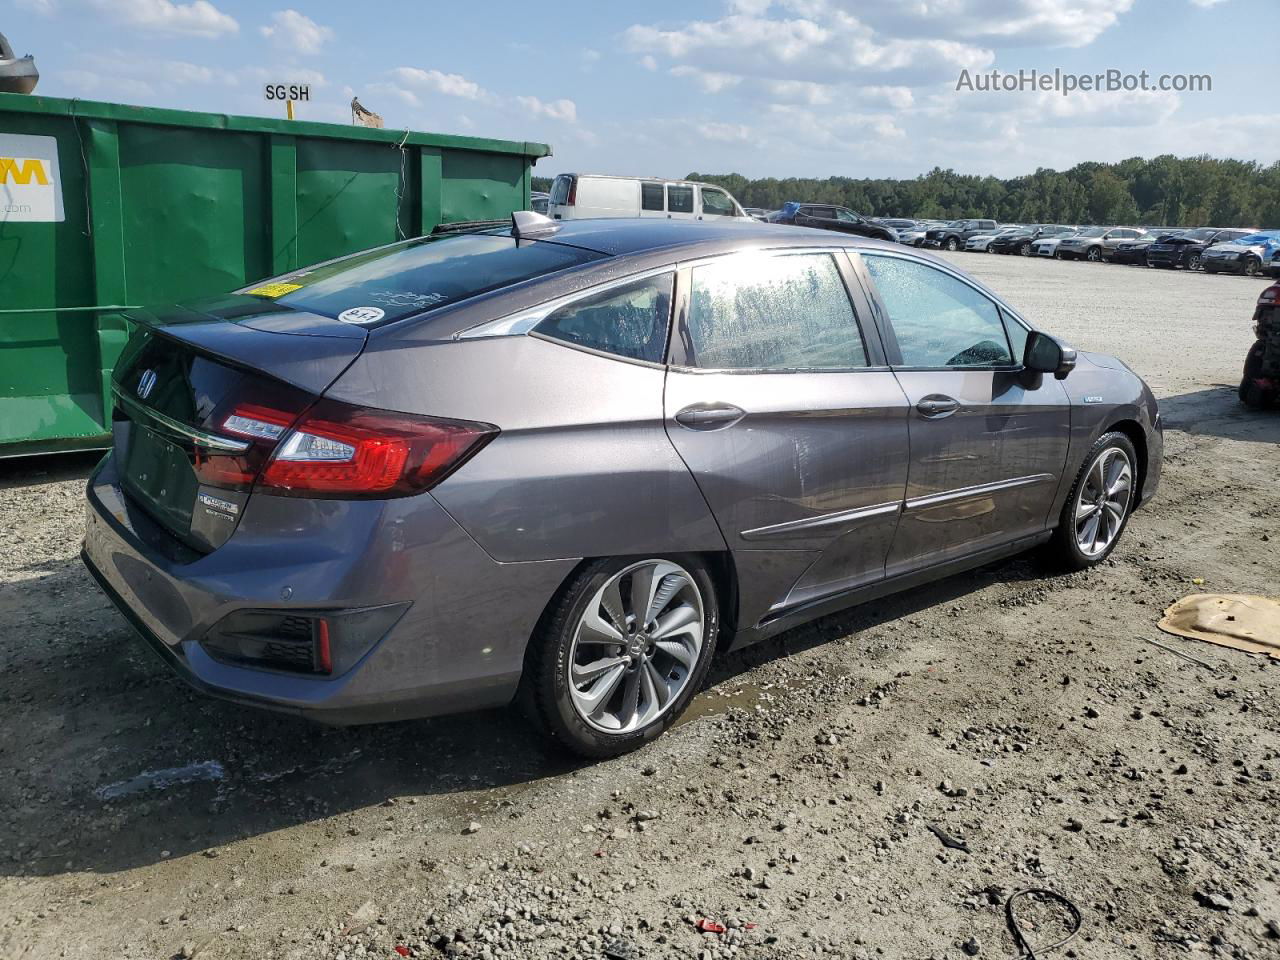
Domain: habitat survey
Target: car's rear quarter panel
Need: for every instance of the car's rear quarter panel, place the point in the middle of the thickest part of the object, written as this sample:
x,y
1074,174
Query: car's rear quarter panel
x,y
583,466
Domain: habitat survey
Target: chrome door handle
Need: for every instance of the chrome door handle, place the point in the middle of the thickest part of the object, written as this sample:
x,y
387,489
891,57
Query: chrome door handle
x,y
937,406
709,416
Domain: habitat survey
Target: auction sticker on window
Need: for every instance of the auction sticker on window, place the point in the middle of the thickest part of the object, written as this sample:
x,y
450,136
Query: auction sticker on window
x,y
362,315
30,183
273,290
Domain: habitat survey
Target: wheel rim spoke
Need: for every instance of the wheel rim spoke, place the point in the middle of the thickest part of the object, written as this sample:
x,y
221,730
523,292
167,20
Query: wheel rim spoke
x,y
678,651
677,621
661,692
597,695
584,673
595,629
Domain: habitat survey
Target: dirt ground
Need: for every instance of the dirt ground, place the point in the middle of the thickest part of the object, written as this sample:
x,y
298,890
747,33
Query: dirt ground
x,y
1028,716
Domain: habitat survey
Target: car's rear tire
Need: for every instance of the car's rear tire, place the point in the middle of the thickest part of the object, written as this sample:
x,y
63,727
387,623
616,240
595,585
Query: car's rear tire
x,y
600,679
1251,393
1098,507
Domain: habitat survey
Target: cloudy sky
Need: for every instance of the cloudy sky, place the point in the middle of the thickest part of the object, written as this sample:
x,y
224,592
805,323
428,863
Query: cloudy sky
x,y
759,87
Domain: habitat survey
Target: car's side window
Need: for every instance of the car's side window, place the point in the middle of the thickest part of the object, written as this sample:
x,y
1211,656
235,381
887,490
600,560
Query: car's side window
x,y
651,196
772,312
716,203
679,199
938,321
628,321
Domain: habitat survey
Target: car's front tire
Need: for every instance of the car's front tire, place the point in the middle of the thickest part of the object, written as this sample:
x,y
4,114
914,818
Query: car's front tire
x,y
952,244
1098,507
620,652
1094,254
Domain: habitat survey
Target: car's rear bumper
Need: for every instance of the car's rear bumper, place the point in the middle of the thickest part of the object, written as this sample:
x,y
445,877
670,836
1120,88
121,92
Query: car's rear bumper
x,y
459,646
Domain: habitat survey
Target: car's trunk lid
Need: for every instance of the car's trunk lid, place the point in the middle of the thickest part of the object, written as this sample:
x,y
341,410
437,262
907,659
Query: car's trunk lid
x,y
185,373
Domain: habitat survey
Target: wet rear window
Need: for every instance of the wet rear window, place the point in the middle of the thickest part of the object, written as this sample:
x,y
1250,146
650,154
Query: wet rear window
x,y
390,283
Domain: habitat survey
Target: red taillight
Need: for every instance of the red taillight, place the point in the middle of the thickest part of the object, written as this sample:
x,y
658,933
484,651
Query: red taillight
x,y
339,450
1271,295
573,192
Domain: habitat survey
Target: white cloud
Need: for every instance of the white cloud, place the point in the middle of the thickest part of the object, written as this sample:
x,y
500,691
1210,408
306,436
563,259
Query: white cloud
x,y
709,81
381,88
832,46
1207,3
1052,23
565,110
590,56
43,7
199,17
296,32
648,62
434,81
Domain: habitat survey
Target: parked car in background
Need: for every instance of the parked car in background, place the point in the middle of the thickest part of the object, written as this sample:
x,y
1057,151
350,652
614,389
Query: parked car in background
x,y
1089,244
524,476
828,217
1184,248
1048,246
981,242
953,235
913,237
1246,255
1130,252
898,225
581,196
1021,240
1273,268
539,202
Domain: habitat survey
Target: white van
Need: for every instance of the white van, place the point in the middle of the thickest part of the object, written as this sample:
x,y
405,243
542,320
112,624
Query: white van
x,y
579,196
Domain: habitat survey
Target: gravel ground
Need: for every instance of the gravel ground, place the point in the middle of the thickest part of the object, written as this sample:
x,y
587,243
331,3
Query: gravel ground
x,y
1027,716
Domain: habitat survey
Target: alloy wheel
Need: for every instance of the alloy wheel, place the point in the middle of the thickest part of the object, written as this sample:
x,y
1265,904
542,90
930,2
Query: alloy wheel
x,y
1102,501
1195,263
636,646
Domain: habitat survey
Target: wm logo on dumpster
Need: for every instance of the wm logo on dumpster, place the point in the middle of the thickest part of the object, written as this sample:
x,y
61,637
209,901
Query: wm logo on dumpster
x,y
30,182
22,170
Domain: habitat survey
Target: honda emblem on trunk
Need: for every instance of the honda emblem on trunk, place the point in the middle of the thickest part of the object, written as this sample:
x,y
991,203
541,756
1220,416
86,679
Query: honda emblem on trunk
x,y
146,383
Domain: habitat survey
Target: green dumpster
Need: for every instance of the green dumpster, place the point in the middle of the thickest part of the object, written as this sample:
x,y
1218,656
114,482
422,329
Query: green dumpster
x,y
105,206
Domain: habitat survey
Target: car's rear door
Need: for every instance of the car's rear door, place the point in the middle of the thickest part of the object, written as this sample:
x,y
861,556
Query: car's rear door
x,y
780,403
988,440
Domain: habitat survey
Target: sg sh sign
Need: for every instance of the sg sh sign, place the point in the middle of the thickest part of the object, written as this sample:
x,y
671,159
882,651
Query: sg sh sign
x,y
287,91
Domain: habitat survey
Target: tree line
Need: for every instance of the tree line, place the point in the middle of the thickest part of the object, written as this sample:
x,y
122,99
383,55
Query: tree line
x,y
1164,191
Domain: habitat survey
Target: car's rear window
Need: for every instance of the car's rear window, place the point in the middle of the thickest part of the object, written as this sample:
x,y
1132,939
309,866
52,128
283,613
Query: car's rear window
x,y
390,283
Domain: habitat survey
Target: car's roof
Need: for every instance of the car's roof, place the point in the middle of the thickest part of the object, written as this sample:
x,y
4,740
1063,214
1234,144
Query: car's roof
x,y
624,236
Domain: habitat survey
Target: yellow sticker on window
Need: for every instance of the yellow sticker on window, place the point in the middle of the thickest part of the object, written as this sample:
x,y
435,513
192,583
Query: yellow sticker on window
x,y
274,289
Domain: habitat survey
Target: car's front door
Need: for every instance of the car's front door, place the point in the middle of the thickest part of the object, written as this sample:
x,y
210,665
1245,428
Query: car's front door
x,y
790,421
988,439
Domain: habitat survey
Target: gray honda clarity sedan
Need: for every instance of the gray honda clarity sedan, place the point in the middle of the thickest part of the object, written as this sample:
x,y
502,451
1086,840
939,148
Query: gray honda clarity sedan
x,y
570,463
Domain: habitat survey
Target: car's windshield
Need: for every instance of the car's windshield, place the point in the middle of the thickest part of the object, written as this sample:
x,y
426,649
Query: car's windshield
x,y
1092,232
1203,233
397,281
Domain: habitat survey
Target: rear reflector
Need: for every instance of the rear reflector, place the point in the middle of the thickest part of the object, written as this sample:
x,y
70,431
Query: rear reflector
x,y
338,450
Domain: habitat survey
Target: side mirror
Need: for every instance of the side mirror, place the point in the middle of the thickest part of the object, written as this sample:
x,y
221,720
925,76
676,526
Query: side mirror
x,y
1044,354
